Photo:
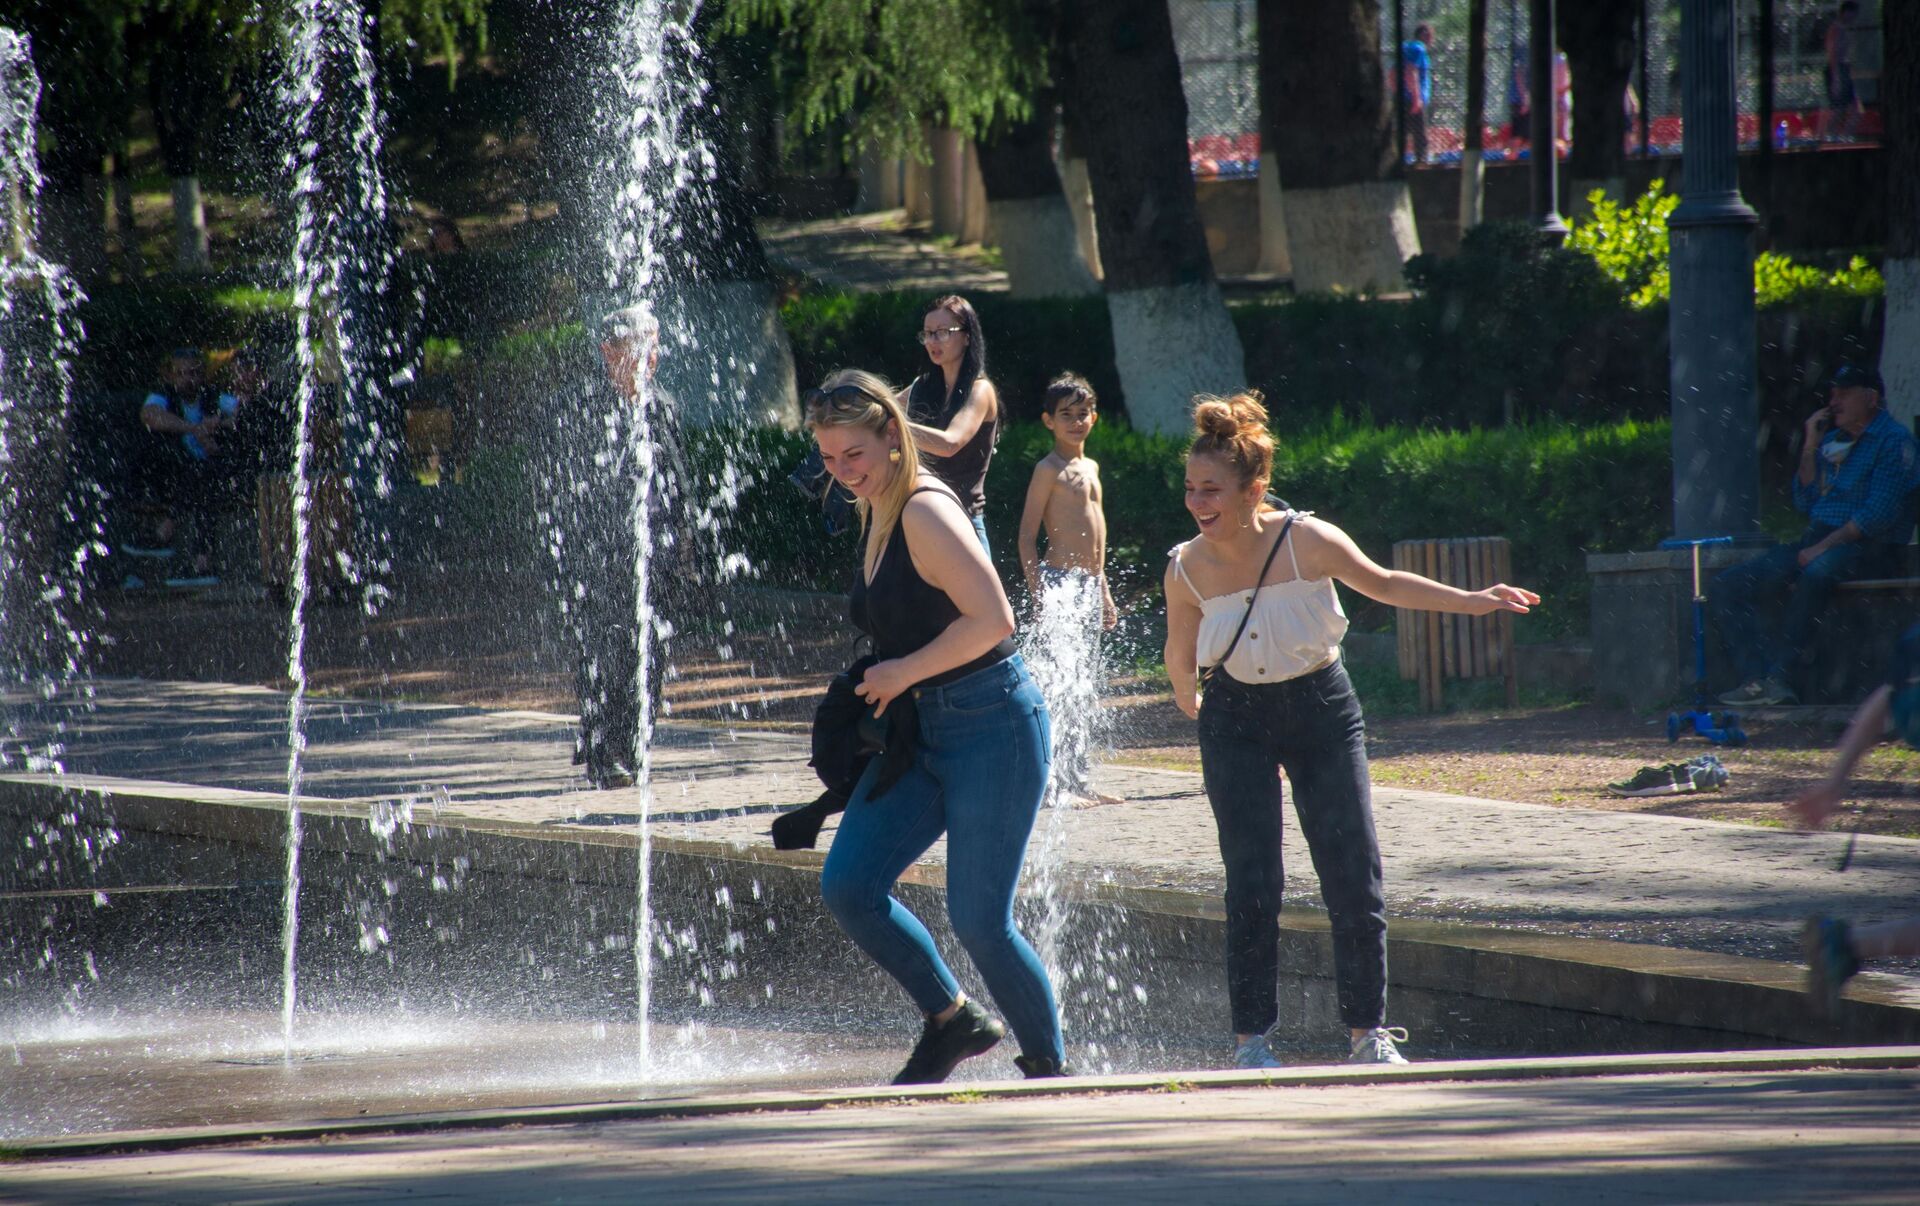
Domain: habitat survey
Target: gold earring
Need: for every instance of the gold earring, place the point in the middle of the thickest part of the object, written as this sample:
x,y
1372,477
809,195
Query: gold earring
x,y
893,454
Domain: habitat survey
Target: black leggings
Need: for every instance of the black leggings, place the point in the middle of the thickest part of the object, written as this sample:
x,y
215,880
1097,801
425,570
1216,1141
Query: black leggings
x,y
1312,727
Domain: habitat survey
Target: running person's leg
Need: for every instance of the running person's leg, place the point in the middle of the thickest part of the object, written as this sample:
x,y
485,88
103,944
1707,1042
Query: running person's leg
x,y
877,840
987,742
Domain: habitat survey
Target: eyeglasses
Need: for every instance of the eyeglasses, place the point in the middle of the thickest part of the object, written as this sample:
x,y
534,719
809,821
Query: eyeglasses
x,y
939,334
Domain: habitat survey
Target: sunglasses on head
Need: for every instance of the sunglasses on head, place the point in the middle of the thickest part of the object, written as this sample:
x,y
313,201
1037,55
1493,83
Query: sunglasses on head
x,y
840,397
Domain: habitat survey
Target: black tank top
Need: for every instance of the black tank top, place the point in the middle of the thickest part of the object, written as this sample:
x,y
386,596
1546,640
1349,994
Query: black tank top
x,y
904,613
965,470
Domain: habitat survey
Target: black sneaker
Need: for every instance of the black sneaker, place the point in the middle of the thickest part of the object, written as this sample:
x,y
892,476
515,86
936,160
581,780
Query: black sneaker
x,y
1040,1067
970,1032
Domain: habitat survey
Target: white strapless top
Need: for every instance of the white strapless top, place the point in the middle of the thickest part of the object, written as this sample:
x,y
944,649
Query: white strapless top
x,y
1295,628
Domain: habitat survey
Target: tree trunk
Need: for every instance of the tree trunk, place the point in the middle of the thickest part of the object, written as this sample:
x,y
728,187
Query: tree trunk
x,y
1079,192
1599,36
1473,168
191,252
180,87
722,287
73,194
125,228
1028,210
1172,336
1900,102
1326,110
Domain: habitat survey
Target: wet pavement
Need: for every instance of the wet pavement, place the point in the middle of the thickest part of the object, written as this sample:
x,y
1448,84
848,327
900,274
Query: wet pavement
x,y
1698,884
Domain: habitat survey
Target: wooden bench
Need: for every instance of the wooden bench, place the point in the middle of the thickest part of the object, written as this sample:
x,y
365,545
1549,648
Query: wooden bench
x,y
1436,646
1854,642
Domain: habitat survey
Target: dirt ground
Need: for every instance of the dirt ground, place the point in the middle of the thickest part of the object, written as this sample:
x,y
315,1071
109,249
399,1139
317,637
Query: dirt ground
x,y
458,642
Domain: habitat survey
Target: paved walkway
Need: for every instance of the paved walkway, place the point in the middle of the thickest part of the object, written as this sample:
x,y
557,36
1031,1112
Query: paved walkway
x,y
1730,888
1729,1136
876,252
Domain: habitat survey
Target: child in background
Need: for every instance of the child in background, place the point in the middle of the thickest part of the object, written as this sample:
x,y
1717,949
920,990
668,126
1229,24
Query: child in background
x,y
1835,949
1068,584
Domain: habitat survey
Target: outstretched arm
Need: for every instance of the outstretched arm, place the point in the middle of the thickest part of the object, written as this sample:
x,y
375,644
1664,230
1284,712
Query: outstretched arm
x,y
1333,554
1813,806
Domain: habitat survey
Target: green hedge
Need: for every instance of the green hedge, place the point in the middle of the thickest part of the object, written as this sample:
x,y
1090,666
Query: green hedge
x,y
1556,490
1492,335
1029,341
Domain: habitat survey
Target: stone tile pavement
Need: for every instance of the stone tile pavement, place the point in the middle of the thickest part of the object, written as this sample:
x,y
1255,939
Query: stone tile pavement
x,y
1710,885
1711,1136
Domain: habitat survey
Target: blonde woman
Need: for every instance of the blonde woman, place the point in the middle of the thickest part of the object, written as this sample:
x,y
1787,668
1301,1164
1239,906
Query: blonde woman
x,y
1250,602
942,627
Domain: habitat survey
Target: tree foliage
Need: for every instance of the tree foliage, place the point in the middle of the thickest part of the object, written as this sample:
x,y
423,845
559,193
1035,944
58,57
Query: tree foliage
x,y
1630,244
894,64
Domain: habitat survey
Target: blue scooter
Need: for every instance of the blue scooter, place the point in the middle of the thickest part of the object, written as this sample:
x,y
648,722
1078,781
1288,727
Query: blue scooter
x,y
1720,728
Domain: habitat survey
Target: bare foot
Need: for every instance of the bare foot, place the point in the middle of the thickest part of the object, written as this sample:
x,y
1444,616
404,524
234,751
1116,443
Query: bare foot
x,y
1095,800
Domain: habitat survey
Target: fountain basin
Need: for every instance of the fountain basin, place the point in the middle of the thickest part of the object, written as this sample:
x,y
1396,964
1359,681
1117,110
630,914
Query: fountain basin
x,y
463,962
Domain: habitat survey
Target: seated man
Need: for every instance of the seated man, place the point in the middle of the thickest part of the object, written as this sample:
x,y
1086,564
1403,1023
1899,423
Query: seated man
x,y
190,471
1858,470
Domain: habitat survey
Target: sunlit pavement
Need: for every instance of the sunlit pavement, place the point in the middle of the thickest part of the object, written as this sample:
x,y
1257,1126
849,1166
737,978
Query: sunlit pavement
x,y
1731,1136
1707,885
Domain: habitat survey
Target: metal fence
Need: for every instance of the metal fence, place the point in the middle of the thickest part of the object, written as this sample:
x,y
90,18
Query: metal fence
x,y
1218,66
1217,40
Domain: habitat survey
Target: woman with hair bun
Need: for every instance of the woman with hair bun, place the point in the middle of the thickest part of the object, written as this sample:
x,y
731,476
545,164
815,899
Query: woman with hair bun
x,y
948,676
1253,648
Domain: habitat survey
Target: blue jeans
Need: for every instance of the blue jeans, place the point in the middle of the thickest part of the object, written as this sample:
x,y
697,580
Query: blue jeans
x,y
1312,727
1738,595
978,777
980,527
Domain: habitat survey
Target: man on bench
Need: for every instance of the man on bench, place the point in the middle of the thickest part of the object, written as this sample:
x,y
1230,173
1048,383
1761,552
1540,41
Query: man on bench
x,y
1858,470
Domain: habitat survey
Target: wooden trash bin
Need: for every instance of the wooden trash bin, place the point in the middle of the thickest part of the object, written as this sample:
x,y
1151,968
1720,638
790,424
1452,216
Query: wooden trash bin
x,y
329,528
1435,646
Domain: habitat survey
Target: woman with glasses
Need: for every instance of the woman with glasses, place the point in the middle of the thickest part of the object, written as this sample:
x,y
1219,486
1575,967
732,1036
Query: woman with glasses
x,y
949,681
953,408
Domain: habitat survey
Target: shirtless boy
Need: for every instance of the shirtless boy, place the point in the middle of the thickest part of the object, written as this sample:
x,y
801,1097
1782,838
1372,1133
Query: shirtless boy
x,y
1068,585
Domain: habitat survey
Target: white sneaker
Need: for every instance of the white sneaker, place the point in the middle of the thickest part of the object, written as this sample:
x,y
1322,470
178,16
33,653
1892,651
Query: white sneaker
x,y
1376,1046
1255,1053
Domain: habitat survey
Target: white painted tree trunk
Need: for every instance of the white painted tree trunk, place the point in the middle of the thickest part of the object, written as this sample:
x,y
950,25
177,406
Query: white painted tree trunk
x,y
1041,250
1275,256
1351,238
1900,352
1171,343
726,356
1473,190
190,252
1079,194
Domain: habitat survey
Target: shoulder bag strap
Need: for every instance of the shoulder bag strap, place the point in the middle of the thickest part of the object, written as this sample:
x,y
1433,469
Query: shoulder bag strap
x,y
1206,673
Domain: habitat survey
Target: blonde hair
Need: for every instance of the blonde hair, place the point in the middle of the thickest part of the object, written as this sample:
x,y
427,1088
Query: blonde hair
x,y
1234,429
856,398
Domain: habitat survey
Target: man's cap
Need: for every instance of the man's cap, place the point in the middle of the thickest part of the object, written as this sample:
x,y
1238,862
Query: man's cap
x,y
1850,376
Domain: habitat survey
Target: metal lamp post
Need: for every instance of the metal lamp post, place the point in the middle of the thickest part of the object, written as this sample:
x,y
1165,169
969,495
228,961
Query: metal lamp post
x,y
1716,461
1545,151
